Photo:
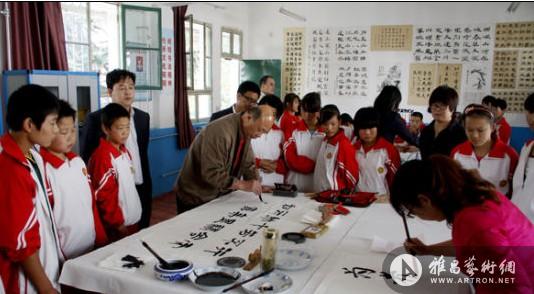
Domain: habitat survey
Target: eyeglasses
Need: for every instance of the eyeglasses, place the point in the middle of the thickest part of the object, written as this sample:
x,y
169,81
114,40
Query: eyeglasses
x,y
249,100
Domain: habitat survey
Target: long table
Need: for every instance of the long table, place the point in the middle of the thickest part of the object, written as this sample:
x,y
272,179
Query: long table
x,y
232,226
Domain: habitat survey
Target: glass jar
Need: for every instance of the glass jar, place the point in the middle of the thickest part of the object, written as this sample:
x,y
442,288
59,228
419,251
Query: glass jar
x,y
268,249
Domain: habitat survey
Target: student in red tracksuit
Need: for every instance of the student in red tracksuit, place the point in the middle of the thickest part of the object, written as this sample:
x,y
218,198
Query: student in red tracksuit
x,y
288,120
112,175
378,159
523,183
30,257
504,130
347,126
495,161
498,106
78,223
268,148
336,167
303,143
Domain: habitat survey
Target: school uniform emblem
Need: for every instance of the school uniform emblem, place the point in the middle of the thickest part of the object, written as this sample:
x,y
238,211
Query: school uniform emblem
x,y
503,183
132,169
380,170
329,155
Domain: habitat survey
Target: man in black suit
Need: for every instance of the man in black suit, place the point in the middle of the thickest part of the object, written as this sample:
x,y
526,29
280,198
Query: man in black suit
x,y
247,96
121,88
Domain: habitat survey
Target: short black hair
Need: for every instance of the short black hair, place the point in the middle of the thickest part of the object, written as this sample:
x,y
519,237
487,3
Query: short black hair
x,y
264,79
366,118
388,100
446,95
248,86
328,112
346,118
489,100
289,98
529,103
65,110
311,102
118,75
501,103
274,102
113,112
30,101
417,114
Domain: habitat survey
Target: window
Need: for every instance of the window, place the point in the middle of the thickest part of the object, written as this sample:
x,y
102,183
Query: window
x,y
92,39
199,73
141,30
231,45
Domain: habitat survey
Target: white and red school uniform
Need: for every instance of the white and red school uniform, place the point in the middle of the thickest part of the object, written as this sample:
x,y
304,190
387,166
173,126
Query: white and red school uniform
x,y
504,130
26,219
300,153
378,165
112,176
497,166
78,222
288,122
523,183
269,146
349,132
336,167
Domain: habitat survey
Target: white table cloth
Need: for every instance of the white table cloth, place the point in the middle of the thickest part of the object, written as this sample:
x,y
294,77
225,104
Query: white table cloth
x,y
231,221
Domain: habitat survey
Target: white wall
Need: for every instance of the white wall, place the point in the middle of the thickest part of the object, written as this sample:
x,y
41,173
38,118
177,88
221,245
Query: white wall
x,y
266,27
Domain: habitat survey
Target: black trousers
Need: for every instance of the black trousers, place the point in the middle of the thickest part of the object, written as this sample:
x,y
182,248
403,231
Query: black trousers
x,y
145,195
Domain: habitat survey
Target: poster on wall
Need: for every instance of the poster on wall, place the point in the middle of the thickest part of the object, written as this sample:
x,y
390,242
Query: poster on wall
x,y
476,83
390,74
351,62
421,82
514,35
513,64
319,57
167,58
453,43
338,62
293,65
391,38
450,75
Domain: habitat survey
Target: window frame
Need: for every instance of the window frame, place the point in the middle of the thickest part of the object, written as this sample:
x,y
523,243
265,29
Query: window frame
x,y
103,86
232,33
125,48
208,89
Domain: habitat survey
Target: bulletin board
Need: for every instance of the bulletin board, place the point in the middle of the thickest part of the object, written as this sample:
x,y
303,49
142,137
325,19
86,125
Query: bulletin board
x,y
352,64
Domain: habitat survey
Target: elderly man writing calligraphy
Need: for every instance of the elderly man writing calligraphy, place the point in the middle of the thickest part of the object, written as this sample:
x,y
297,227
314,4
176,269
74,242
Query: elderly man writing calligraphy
x,y
221,160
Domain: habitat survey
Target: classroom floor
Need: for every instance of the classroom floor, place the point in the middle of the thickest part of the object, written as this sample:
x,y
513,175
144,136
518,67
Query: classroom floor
x,y
163,208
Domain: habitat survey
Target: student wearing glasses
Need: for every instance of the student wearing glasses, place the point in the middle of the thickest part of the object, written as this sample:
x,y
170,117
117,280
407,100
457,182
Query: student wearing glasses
x,y
444,132
248,94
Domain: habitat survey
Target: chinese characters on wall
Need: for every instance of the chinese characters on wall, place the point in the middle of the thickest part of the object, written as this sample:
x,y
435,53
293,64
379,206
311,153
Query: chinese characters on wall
x,y
453,44
391,38
293,65
319,61
513,63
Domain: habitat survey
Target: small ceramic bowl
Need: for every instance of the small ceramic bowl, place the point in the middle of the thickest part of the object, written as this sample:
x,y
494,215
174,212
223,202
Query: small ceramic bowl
x,y
179,270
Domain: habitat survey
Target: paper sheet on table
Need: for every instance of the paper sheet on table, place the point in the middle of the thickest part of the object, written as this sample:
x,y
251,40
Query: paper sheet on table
x,y
115,262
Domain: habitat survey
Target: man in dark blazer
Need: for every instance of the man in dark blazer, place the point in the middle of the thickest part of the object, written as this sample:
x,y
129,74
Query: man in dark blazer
x,y
121,88
248,94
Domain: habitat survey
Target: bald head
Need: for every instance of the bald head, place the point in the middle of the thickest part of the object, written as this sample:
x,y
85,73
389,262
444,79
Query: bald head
x,y
258,120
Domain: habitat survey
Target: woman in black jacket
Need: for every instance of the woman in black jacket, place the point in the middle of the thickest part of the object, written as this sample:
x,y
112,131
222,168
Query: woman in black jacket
x,y
391,123
445,131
